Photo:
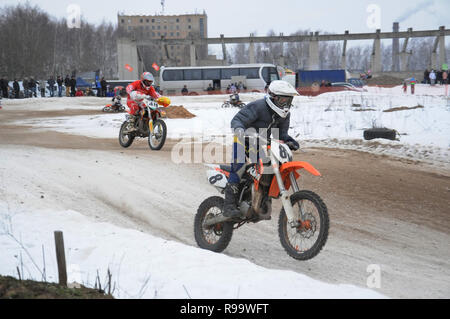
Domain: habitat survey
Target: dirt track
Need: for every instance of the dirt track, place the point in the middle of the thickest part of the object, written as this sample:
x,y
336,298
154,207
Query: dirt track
x,y
384,211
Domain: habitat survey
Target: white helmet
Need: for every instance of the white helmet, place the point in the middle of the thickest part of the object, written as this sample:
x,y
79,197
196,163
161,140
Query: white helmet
x,y
147,80
280,97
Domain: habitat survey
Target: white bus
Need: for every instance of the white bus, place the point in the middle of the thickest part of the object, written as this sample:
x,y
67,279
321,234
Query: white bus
x,y
198,79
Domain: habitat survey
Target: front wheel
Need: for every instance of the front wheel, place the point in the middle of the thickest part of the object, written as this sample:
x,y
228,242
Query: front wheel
x,y
125,138
157,139
306,239
217,237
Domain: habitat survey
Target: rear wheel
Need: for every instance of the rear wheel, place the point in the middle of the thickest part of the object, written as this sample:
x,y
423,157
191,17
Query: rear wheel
x,y
125,139
158,138
306,239
216,237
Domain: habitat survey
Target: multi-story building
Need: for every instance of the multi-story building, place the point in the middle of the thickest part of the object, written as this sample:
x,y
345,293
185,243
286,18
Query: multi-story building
x,y
170,27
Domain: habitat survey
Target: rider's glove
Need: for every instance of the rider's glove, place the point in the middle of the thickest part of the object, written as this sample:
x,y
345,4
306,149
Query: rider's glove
x,y
163,101
293,145
136,96
239,135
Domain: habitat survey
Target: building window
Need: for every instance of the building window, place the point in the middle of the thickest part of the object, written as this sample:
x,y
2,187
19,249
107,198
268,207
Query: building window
x,y
178,34
189,20
142,20
153,27
178,27
165,27
202,27
123,20
171,34
189,27
159,27
153,20
148,20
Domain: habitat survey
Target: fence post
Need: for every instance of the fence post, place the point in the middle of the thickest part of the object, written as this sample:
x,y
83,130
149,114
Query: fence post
x,y
61,258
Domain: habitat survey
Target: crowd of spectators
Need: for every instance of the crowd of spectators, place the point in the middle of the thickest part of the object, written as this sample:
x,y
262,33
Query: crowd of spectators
x,y
29,87
434,77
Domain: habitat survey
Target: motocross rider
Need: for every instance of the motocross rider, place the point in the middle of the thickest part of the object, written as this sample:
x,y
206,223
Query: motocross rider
x,y
136,94
275,106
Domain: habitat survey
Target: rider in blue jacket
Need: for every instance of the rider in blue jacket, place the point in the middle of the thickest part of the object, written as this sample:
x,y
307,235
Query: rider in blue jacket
x,y
258,115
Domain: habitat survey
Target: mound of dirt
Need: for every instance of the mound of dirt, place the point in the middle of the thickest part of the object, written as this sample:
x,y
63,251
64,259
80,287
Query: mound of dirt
x,y
178,112
384,80
11,288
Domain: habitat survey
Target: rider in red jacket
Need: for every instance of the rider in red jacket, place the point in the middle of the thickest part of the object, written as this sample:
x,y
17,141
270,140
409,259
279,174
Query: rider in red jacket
x,y
137,92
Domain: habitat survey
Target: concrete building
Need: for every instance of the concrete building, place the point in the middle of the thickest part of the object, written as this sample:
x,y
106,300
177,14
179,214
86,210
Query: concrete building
x,y
170,27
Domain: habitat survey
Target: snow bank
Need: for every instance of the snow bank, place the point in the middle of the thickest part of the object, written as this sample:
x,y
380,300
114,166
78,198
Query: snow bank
x,y
144,266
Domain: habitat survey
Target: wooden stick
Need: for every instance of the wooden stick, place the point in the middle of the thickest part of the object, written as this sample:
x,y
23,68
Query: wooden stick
x,y
61,258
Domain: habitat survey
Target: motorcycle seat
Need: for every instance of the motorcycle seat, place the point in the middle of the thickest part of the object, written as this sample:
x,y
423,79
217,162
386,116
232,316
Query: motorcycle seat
x,y
226,168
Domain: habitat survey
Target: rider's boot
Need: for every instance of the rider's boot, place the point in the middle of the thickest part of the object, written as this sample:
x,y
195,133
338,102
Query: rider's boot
x,y
132,123
230,208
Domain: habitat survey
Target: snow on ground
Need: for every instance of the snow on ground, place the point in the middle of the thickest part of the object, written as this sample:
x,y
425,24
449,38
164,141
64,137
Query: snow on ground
x,y
149,267
329,120
46,190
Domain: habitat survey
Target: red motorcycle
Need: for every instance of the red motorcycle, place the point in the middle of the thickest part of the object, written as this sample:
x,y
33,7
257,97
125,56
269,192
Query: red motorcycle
x,y
149,125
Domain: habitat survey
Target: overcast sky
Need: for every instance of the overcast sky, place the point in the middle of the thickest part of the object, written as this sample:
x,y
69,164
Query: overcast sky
x,y
242,17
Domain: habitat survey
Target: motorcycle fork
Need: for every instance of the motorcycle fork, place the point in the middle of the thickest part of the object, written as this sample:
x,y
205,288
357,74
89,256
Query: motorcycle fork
x,y
293,220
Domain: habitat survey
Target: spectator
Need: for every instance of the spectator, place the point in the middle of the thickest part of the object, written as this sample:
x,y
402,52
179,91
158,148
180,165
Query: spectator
x,y
210,88
42,87
412,82
4,87
73,86
445,77
32,86
51,85
233,88
104,86
16,88
323,84
185,91
79,93
59,81
426,76
432,77
439,77
67,84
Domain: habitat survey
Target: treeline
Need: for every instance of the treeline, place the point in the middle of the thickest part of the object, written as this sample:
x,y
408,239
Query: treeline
x,y
34,44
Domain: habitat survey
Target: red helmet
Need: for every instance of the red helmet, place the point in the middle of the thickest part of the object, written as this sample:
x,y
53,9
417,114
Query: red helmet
x,y
147,80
